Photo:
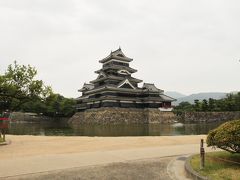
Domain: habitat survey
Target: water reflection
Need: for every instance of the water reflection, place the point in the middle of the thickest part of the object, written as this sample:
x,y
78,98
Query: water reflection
x,y
63,129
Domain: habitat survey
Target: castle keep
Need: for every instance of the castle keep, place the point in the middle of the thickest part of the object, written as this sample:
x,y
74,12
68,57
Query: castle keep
x,y
116,94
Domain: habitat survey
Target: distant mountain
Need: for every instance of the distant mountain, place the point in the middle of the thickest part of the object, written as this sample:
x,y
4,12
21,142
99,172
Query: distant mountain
x,y
200,96
174,94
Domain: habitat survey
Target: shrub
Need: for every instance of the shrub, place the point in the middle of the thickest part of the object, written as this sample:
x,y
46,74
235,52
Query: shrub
x,y
226,137
1,139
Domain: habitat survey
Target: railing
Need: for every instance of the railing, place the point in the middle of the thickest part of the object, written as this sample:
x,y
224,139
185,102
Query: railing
x,y
4,119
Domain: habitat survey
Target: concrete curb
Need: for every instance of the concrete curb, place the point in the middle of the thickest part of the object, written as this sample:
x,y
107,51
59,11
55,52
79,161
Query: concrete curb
x,y
175,168
191,173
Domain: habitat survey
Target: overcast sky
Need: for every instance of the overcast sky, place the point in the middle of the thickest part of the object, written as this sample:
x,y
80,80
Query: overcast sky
x,y
187,46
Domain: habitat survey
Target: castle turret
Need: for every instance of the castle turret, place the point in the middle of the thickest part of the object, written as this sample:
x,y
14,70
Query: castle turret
x,y
115,87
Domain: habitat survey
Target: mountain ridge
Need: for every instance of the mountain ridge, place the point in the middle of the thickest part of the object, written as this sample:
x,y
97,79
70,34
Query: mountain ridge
x,y
175,94
200,96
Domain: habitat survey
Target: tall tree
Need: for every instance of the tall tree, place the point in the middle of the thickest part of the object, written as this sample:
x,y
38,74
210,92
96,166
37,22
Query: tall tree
x,y
19,85
204,106
211,104
197,105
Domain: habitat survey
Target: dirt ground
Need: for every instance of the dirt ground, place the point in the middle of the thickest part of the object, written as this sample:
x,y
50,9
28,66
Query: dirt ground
x,y
74,157
26,145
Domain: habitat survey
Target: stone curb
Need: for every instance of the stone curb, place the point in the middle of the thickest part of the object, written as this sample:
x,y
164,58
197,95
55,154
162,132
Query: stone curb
x,y
191,173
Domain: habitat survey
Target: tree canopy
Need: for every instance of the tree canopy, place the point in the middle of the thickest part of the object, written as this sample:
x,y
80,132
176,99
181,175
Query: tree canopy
x,y
230,103
21,91
226,137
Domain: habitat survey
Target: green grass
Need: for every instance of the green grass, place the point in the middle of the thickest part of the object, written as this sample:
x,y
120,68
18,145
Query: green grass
x,y
218,169
1,139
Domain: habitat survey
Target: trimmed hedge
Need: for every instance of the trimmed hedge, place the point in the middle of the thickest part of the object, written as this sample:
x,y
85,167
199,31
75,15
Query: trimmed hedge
x,y
226,137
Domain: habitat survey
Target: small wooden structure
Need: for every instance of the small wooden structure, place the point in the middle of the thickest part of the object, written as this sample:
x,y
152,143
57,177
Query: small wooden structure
x,y
202,155
4,123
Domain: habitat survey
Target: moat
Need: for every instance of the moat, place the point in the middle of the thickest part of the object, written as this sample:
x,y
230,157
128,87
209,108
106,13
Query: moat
x,y
63,129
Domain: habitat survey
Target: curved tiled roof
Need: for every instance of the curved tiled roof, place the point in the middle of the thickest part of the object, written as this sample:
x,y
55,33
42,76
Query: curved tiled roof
x,y
117,67
86,87
118,54
167,98
151,87
116,78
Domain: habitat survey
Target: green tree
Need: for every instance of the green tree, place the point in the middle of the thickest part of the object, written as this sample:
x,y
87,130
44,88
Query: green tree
x,y
237,101
204,105
230,102
68,108
58,105
211,104
197,105
226,137
18,86
21,91
183,107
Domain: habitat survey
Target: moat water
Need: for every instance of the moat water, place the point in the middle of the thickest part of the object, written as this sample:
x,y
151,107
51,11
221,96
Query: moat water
x,y
63,129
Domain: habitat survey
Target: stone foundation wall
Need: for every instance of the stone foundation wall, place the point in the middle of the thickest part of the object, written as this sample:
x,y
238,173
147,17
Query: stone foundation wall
x,y
122,116
156,116
32,117
198,117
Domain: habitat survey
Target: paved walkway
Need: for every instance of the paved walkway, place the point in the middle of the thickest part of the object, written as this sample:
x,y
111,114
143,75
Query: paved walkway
x,y
150,169
51,162
176,168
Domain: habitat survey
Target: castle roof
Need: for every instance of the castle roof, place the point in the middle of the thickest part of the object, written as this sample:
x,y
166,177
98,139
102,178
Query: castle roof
x,y
167,98
116,78
86,87
117,67
118,54
151,87
115,87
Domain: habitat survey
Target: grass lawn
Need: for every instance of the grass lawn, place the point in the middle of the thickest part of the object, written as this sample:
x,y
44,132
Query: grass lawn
x,y
215,166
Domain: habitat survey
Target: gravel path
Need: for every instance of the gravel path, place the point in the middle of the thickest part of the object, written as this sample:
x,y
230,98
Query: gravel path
x,y
131,170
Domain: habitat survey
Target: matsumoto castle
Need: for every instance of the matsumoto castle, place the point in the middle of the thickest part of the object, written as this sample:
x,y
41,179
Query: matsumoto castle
x,y
115,87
